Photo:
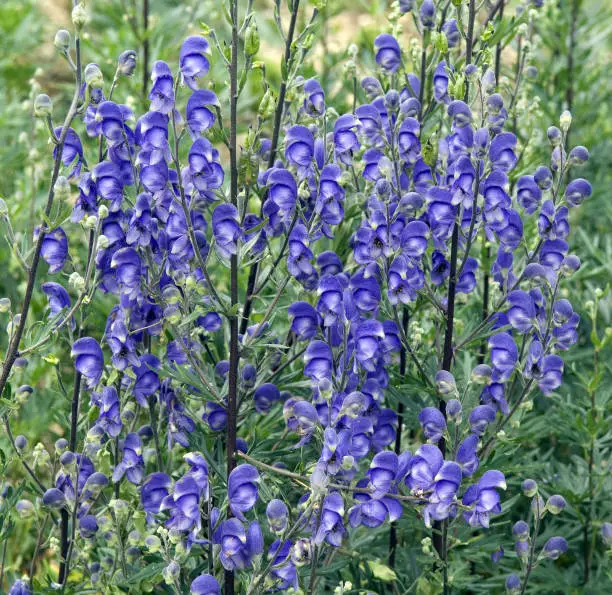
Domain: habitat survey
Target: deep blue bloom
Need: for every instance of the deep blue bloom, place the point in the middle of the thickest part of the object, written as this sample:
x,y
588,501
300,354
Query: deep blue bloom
x,y
388,52
162,91
147,380
265,396
199,114
19,587
331,527
305,320
58,298
192,60
132,463
346,141
529,193
110,414
299,148
242,489
480,417
484,499
368,337
577,191
237,546
72,152
184,506
205,584
504,356
226,229
109,183
433,423
314,101
278,516
439,480
331,196
89,359
204,168
54,250
428,14
522,312
467,457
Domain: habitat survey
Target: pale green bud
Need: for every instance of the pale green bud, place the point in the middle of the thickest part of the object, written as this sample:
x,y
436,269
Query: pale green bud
x,y
43,106
62,40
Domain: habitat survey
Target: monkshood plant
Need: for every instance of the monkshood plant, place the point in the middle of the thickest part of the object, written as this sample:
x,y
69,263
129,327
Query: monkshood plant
x,y
230,424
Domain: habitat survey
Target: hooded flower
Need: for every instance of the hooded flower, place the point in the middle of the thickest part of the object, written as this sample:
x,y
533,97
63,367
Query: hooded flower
x,y
242,489
193,61
89,360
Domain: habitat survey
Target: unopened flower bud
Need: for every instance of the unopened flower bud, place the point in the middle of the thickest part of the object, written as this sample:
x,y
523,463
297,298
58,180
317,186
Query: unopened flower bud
x,y
62,40
25,509
556,504
77,281
21,442
93,76
61,446
126,63
43,106
5,304
565,121
481,374
554,136
579,155
23,393
529,487
153,543
80,15
267,105
513,584
171,572
445,383
62,189
251,39
103,242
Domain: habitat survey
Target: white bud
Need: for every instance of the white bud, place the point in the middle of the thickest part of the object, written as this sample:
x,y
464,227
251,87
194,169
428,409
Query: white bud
x,y
565,121
80,15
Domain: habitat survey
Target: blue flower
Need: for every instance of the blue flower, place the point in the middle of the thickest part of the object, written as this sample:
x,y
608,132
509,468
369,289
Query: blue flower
x,y
305,320
110,414
72,152
299,149
242,489
226,229
54,249
58,298
433,423
388,52
153,490
504,356
346,141
205,584
277,515
265,396
484,499
331,527
132,463
192,60
162,91
237,546
89,359
314,102
198,113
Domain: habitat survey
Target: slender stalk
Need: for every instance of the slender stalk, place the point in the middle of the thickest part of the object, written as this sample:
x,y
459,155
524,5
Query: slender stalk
x,y
278,116
232,394
588,525
440,528
536,530
145,47
64,539
398,437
